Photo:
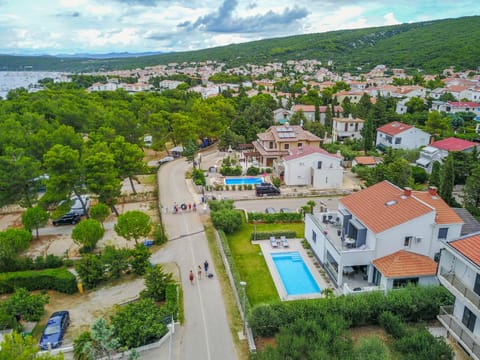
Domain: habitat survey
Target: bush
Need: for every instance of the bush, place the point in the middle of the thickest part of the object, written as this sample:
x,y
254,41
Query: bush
x,y
277,182
419,175
29,307
392,324
228,221
60,280
371,348
156,282
277,217
253,171
421,345
220,205
198,177
262,235
159,236
90,269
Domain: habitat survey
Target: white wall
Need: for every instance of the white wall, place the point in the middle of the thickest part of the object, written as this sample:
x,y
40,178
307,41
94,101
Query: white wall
x,y
299,171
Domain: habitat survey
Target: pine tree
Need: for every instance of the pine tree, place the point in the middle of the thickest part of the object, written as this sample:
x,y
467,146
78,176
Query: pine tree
x,y
435,175
447,181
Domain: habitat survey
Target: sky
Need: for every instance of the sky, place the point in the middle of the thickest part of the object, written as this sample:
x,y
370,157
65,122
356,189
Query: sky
x,y
33,27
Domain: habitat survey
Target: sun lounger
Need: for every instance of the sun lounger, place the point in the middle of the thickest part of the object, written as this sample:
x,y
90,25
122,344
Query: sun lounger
x,y
284,241
273,242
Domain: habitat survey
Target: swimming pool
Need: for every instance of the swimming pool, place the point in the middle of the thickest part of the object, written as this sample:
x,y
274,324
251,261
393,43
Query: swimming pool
x,y
243,180
296,278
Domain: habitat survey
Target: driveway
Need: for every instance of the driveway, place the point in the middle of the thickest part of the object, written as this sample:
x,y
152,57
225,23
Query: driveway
x,y
205,333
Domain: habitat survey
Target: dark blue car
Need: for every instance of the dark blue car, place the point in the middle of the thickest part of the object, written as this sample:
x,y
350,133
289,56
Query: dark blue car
x,y
54,330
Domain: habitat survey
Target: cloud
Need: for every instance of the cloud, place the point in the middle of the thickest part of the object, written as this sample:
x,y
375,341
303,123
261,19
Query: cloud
x,y
73,14
224,21
139,2
390,19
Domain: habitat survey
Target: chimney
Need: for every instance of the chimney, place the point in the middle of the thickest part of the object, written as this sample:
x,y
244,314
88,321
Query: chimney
x,y
432,190
407,191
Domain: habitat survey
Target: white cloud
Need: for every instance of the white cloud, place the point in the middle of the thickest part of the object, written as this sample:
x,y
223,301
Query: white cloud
x,y
389,19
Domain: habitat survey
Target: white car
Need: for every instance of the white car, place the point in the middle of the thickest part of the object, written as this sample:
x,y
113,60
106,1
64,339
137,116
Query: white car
x,y
165,160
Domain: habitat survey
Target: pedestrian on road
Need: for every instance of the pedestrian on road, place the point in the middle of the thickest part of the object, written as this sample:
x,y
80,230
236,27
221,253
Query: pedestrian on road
x,y
191,277
199,272
205,266
194,207
189,207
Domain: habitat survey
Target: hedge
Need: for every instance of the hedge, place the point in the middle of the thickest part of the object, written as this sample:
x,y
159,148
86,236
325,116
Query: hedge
x,y
262,235
272,218
412,304
59,279
171,305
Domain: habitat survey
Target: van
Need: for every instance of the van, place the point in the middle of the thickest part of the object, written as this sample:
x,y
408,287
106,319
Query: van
x,y
266,189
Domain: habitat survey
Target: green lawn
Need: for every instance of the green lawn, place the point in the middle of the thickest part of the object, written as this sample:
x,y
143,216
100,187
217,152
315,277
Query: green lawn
x,y
251,264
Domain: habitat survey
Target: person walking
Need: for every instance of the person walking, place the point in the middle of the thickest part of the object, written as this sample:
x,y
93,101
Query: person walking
x,y
205,267
194,207
199,272
191,277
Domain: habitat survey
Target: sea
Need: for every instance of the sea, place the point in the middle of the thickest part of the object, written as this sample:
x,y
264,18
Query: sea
x,y
10,80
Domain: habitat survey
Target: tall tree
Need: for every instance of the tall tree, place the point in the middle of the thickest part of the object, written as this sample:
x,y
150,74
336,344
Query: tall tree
x,y
34,218
472,190
368,133
435,176
128,159
447,180
101,178
436,123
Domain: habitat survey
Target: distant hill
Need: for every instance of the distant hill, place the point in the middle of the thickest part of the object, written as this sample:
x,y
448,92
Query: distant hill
x,y
430,46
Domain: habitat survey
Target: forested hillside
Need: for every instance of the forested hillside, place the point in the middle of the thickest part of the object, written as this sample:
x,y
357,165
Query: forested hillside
x,y
430,46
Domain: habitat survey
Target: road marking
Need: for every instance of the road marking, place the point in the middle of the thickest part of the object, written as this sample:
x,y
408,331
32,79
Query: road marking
x,y
202,311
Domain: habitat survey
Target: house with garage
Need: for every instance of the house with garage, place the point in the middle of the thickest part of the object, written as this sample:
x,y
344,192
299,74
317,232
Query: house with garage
x,y
397,135
459,272
379,230
278,141
439,150
312,166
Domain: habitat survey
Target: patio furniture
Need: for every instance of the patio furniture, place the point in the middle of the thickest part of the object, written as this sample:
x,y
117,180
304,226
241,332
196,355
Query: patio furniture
x,y
348,270
273,242
284,241
349,242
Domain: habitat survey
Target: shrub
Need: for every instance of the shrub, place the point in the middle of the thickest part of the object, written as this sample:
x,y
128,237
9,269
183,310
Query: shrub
x,y
219,205
277,217
29,307
90,269
267,234
277,182
227,220
392,324
253,171
371,348
139,259
198,177
421,345
156,282
60,280
138,323
159,236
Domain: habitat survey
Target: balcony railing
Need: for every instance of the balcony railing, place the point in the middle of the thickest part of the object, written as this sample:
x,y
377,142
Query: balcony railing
x,y
463,289
459,331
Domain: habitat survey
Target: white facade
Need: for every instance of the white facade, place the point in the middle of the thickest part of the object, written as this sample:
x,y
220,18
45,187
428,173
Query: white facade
x,y
350,128
315,169
429,155
409,139
461,276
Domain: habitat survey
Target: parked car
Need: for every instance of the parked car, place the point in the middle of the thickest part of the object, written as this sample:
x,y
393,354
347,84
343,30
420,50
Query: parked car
x,y
266,189
67,219
54,330
77,207
165,160
270,210
286,210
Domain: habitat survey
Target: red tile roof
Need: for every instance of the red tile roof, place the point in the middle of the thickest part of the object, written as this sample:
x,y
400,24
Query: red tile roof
x,y
394,128
307,150
365,160
304,108
383,206
468,247
453,144
464,104
445,214
405,264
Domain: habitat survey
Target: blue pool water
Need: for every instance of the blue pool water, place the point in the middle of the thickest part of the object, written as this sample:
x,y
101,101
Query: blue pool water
x,y
243,180
295,275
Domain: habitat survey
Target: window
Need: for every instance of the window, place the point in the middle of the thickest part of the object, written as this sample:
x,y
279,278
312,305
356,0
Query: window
x,y
469,319
314,236
301,164
299,145
270,145
476,287
346,127
442,233
398,140
399,283
407,241
319,165
287,146
388,138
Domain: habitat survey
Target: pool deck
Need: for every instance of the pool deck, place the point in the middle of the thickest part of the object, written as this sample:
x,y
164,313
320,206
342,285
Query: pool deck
x,y
294,245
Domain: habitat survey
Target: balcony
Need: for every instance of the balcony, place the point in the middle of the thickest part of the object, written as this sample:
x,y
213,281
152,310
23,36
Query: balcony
x,y
461,334
450,280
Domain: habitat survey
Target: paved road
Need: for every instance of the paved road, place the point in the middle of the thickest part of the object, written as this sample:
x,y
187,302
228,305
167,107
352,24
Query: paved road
x,y
206,334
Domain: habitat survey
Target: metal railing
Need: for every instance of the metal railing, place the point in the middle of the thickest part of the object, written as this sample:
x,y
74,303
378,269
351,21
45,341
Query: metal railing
x,y
459,331
463,289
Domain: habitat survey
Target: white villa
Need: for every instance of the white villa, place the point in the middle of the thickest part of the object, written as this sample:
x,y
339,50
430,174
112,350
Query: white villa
x,y
312,166
382,235
343,128
398,135
459,272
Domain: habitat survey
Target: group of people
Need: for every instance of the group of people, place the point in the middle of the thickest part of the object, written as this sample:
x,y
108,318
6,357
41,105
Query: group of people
x,y
199,272
176,209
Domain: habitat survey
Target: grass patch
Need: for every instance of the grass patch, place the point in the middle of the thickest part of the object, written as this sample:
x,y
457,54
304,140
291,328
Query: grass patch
x,y
251,263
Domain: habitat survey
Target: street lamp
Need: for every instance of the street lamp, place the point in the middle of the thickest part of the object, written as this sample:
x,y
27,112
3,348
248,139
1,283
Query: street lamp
x,y
243,284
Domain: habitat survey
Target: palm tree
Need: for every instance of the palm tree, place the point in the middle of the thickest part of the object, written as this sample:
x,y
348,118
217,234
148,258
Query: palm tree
x,y
311,204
